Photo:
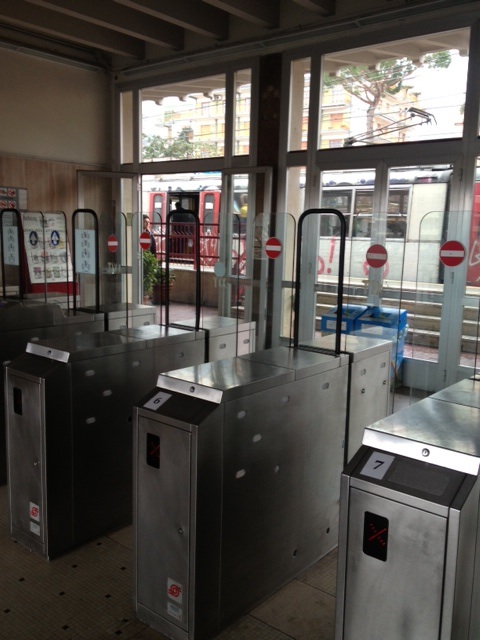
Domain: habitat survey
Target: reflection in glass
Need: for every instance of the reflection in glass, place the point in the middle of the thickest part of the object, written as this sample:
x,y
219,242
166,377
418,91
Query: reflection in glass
x,y
299,103
296,190
243,95
126,127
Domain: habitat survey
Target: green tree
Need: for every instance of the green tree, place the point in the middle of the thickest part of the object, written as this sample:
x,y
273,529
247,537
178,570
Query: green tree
x,y
389,77
182,147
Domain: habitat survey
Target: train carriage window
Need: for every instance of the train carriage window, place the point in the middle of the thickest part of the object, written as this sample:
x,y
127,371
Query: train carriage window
x,y
341,200
330,226
157,211
396,226
208,214
362,226
363,202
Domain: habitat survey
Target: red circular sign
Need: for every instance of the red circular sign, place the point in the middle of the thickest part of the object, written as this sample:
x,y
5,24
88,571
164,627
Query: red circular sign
x,y
273,248
144,240
452,253
112,243
376,256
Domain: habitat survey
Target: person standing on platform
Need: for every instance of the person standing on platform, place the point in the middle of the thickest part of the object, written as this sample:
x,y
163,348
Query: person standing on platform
x,y
146,229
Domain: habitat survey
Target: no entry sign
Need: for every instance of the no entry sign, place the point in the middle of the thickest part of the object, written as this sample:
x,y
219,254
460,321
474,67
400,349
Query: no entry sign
x,y
452,253
112,243
144,241
377,256
273,248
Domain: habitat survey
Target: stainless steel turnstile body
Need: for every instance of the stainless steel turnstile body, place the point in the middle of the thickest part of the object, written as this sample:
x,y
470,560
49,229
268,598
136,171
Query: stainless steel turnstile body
x,y
408,563
30,321
170,347
236,484
225,337
69,407
121,315
465,392
369,382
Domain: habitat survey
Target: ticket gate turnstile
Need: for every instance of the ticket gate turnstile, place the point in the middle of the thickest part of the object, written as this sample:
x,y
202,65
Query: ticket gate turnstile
x,y
237,467
69,407
23,321
368,383
466,392
408,563
122,315
225,337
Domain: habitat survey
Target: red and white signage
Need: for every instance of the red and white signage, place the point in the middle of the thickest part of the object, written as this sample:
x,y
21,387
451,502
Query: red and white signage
x,y
34,511
144,241
452,253
377,256
273,248
112,243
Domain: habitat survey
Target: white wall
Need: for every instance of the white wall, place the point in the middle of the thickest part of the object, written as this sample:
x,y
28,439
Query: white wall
x,y
53,111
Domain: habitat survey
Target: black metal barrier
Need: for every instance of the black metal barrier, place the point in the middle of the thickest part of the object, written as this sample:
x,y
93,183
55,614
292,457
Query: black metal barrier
x,y
341,271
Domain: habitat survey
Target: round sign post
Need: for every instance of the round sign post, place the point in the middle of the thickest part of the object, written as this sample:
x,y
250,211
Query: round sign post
x,y
377,256
144,241
273,248
112,243
452,253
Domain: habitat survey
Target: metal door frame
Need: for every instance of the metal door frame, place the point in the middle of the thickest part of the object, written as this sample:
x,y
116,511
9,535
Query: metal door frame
x,y
226,240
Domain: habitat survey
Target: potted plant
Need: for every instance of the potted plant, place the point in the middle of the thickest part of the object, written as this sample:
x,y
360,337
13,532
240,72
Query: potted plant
x,y
160,284
150,266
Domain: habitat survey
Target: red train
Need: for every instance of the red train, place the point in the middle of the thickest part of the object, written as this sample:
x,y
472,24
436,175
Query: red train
x,y
204,202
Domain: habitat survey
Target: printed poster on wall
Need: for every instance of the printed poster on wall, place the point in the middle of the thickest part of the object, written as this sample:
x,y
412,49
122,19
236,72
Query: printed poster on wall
x,y
46,248
13,198
11,254
85,251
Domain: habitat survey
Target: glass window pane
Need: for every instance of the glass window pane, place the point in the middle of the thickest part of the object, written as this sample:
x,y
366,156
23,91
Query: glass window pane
x,y
199,192
299,101
346,192
470,348
243,93
409,90
184,120
296,190
126,127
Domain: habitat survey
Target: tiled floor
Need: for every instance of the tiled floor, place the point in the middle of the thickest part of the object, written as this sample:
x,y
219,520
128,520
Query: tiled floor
x,y
87,595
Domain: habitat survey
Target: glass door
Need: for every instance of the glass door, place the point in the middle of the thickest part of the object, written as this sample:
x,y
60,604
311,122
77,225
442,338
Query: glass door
x,y
405,212
113,196
245,195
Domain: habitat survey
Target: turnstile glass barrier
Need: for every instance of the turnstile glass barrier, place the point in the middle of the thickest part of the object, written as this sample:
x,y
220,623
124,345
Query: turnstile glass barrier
x,y
408,562
368,382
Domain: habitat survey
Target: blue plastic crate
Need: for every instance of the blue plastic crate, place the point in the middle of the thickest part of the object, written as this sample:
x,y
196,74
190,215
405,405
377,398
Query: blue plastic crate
x,y
350,313
382,317
390,324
